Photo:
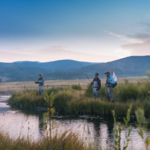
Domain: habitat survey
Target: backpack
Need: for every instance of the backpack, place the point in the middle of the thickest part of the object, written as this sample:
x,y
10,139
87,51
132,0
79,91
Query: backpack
x,y
115,78
114,84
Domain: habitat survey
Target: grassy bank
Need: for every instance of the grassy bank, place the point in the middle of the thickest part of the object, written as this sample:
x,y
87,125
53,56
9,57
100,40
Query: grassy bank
x,y
126,92
78,101
64,142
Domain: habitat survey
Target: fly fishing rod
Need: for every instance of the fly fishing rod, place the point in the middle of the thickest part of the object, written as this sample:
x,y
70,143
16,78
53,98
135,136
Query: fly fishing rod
x,y
24,71
84,71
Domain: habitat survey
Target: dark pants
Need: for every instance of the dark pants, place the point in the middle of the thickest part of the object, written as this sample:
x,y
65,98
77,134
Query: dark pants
x,y
109,93
41,90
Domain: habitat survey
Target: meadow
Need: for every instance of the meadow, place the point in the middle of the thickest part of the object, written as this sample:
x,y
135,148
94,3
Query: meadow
x,y
20,86
78,100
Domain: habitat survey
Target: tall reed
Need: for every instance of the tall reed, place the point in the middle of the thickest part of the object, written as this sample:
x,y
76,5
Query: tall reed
x,y
67,141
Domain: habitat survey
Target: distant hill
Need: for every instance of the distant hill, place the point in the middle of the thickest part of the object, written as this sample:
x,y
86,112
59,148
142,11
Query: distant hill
x,y
14,70
54,65
134,66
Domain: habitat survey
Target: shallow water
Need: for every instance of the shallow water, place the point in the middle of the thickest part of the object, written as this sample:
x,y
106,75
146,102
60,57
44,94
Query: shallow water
x,y
97,129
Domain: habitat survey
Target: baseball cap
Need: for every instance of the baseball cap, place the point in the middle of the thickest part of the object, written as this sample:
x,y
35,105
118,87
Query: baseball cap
x,y
107,72
96,74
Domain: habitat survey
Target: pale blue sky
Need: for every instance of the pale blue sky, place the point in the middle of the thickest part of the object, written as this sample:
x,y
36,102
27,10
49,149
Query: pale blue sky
x,y
92,30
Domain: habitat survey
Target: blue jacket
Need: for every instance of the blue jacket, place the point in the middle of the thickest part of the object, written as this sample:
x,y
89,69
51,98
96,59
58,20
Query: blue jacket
x,y
110,80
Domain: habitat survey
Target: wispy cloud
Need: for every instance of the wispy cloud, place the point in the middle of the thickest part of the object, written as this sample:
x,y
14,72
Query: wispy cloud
x,y
130,38
137,48
139,43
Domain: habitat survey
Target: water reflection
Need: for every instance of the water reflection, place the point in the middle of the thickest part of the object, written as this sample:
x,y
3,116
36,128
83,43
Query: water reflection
x,y
98,130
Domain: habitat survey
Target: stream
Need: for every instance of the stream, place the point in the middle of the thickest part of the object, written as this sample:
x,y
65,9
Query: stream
x,y
98,129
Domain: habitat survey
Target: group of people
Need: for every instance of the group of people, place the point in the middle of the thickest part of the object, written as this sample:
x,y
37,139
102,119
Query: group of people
x,y
110,83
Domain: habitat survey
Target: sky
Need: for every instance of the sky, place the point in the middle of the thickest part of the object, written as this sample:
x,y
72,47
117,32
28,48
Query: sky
x,y
85,30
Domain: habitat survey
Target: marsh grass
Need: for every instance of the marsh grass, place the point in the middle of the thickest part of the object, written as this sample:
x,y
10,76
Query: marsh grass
x,y
125,92
89,91
79,102
55,90
27,100
67,141
76,87
97,107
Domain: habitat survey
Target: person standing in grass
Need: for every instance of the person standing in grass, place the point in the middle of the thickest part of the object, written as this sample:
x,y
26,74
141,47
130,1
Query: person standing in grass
x,y
40,81
110,85
96,86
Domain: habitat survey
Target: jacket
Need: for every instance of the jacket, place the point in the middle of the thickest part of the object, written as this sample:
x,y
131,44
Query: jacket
x,y
110,81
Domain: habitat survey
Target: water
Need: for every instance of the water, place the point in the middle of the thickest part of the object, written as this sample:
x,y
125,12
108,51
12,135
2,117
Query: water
x,y
97,129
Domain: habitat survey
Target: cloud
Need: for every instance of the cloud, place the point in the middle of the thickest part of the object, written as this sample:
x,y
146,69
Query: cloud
x,y
137,48
139,44
130,39
142,48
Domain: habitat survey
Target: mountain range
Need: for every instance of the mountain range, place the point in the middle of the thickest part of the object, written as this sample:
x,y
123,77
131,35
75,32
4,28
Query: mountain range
x,y
134,66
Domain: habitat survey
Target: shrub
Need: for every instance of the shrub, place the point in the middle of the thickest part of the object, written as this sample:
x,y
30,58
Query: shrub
x,y
103,92
126,92
27,100
54,90
76,87
148,73
60,101
126,81
89,91
144,89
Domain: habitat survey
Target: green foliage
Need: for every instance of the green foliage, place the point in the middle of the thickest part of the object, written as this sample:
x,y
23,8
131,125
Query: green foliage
x,y
126,92
89,91
54,90
103,92
126,81
140,116
118,128
142,125
61,101
49,98
27,99
47,116
148,73
76,87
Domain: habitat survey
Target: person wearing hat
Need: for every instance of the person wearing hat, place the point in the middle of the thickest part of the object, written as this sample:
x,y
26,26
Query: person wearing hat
x,y
96,86
109,83
40,81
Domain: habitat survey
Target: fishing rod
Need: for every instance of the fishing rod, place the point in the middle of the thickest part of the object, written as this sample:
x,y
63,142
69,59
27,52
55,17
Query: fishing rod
x,y
84,71
24,71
